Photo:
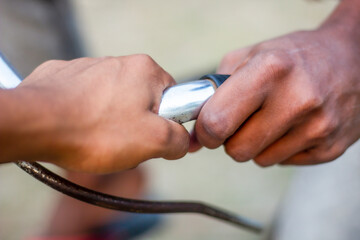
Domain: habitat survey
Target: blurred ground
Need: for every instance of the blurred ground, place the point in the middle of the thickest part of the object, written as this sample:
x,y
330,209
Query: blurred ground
x,y
186,38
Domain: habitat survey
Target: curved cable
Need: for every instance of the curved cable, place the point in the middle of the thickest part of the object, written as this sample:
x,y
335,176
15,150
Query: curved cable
x,y
130,205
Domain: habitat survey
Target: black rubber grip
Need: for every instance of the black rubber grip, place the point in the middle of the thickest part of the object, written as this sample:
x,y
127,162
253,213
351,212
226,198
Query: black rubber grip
x,y
218,79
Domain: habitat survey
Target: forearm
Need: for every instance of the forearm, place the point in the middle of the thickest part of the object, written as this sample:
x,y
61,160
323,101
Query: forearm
x,y
342,30
346,19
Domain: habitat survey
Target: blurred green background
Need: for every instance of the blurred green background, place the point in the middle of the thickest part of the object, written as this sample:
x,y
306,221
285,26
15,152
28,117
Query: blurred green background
x,y
186,38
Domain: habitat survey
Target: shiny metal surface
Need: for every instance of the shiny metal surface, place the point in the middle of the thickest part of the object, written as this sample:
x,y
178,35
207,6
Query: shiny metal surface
x,y
8,77
183,102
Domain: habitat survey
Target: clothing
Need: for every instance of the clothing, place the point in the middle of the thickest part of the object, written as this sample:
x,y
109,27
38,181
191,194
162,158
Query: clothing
x,y
323,202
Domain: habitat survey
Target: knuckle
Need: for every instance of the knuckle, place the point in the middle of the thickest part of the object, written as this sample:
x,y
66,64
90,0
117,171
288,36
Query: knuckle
x,y
262,162
215,125
229,58
167,79
84,59
111,61
49,63
236,153
144,59
277,62
107,58
323,128
52,62
333,152
307,102
336,151
311,102
147,64
327,154
232,152
321,157
106,63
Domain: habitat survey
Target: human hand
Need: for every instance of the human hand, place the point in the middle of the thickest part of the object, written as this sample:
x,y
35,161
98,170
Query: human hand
x,y
291,100
98,114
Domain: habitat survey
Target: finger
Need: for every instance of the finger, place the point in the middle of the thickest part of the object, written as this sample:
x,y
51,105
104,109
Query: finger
x,y
302,158
149,69
194,143
234,60
148,75
293,142
257,133
318,129
317,155
237,99
170,140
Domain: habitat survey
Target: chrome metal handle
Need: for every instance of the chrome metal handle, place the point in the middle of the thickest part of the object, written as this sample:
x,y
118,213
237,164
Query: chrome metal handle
x,y
183,102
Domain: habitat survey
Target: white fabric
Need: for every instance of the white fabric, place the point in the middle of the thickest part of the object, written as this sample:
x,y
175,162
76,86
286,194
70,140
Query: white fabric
x,y
323,202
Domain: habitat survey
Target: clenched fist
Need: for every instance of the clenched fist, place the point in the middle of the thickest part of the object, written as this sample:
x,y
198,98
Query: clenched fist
x,y
90,114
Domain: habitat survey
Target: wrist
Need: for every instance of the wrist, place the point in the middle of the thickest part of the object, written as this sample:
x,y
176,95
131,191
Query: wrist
x,y
24,126
345,20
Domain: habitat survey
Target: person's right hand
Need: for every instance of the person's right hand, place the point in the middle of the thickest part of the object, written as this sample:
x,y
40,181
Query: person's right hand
x,y
93,114
290,100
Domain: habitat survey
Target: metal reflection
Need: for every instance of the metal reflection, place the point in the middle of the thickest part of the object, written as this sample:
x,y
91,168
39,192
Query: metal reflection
x,y
183,102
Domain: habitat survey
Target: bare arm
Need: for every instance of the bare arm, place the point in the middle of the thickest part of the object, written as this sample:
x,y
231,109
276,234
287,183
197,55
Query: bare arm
x,y
291,100
90,114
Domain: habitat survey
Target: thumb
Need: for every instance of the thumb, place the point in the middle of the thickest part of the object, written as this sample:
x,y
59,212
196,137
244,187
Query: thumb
x,y
175,138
